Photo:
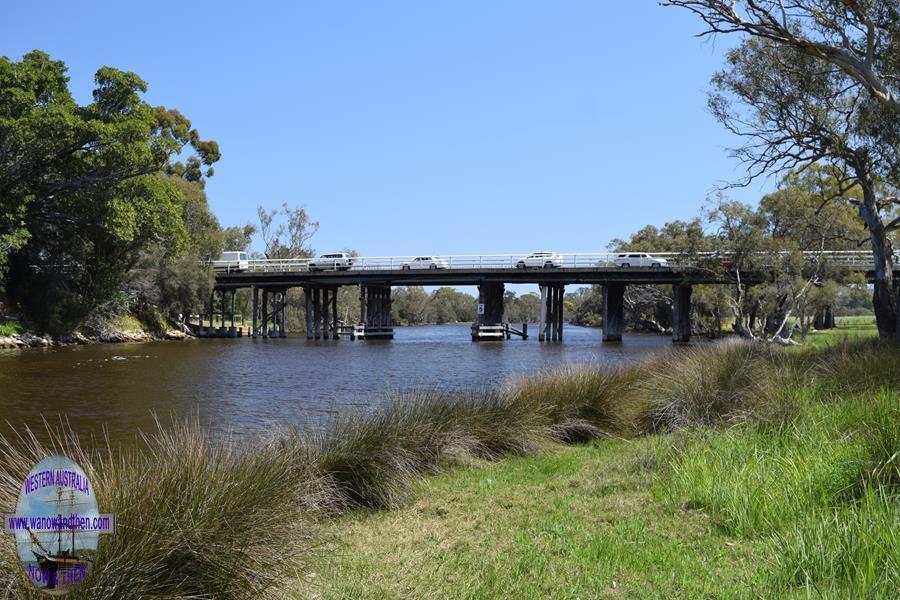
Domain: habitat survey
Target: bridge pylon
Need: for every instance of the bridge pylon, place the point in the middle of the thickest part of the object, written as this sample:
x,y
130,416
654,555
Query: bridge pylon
x,y
488,323
550,328
376,320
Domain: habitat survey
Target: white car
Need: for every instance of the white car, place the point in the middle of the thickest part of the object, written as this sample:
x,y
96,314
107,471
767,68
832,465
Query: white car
x,y
336,261
639,259
541,260
426,262
231,260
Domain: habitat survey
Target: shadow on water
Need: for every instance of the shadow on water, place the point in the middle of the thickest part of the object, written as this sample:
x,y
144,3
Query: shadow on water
x,y
245,385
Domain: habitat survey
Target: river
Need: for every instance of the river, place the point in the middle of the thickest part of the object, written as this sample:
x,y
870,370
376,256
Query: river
x,y
245,385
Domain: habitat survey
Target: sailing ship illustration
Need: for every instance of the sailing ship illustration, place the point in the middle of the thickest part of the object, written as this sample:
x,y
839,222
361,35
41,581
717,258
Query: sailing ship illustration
x,y
63,567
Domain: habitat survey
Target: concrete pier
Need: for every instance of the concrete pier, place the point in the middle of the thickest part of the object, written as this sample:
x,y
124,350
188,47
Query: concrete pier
x,y
681,313
613,312
488,323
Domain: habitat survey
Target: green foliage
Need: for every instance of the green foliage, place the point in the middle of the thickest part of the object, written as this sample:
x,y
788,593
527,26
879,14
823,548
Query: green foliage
x,y
10,328
822,489
238,238
81,193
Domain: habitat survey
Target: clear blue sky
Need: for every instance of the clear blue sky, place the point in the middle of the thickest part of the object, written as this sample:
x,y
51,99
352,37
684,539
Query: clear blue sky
x,y
423,127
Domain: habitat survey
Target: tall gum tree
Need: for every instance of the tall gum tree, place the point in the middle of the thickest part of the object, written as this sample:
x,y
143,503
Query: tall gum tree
x,y
818,81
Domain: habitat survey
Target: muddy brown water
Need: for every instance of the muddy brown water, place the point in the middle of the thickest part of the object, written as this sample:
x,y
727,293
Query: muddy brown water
x,y
246,385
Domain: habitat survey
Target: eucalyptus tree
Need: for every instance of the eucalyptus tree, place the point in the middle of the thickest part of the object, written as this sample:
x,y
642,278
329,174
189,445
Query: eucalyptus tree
x,y
83,189
818,81
286,232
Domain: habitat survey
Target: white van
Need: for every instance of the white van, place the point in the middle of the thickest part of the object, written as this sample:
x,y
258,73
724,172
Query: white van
x,y
231,261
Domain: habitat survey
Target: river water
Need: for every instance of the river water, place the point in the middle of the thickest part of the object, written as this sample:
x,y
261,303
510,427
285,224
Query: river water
x,y
245,385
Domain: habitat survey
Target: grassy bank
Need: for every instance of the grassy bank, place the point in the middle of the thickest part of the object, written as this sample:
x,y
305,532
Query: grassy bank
x,y
738,468
783,485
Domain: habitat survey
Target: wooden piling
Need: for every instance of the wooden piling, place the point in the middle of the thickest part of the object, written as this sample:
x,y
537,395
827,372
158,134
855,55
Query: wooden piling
x,y
317,313
254,291
334,315
542,334
559,310
282,332
307,305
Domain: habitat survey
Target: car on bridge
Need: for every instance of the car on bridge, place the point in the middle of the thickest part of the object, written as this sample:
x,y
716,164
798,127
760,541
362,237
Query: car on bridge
x,y
232,260
541,260
336,261
639,259
426,262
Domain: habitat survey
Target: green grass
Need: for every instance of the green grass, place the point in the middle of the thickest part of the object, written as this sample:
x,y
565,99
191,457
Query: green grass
x,y
10,328
851,328
576,522
783,488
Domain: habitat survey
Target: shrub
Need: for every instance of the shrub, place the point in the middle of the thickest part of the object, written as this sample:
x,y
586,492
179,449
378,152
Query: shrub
x,y
718,384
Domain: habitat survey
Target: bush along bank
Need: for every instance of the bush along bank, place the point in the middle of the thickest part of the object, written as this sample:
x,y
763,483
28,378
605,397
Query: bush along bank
x,y
98,331
189,511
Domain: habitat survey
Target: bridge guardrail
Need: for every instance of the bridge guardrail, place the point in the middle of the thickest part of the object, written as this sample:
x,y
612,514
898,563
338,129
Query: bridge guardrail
x,y
849,260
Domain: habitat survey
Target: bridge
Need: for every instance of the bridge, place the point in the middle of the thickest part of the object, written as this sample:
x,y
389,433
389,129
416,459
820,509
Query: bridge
x,y
269,281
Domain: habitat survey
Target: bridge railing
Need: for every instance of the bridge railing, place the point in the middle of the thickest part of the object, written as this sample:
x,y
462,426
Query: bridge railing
x,y
848,260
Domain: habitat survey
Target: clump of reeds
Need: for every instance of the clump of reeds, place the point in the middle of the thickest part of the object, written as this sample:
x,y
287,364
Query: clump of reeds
x,y
855,365
193,519
373,458
723,383
582,403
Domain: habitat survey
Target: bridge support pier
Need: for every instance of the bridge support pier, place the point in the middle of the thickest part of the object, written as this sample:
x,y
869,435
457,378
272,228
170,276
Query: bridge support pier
x,y
489,322
550,329
254,291
681,313
211,331
232,331
375,318
320,303
264,315
613,311
281,311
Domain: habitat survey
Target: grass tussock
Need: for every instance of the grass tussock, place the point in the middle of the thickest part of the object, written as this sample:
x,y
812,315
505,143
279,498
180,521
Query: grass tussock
x,y
582,403
193,519
765,437
724,383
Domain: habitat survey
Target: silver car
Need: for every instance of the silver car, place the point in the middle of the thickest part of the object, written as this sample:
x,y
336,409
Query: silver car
x,y
426,262
639,259
336,261
540,260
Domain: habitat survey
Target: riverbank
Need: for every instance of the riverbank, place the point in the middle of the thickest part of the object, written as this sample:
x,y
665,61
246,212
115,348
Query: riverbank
x,y
114,331
736,453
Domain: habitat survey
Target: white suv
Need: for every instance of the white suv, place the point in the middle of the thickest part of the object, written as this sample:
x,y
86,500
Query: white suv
x,y
639,259
426,262
542,260
336,261
231,261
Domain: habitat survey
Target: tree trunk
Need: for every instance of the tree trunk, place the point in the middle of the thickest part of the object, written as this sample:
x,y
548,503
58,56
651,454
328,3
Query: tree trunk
x,y
884,296
754,311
